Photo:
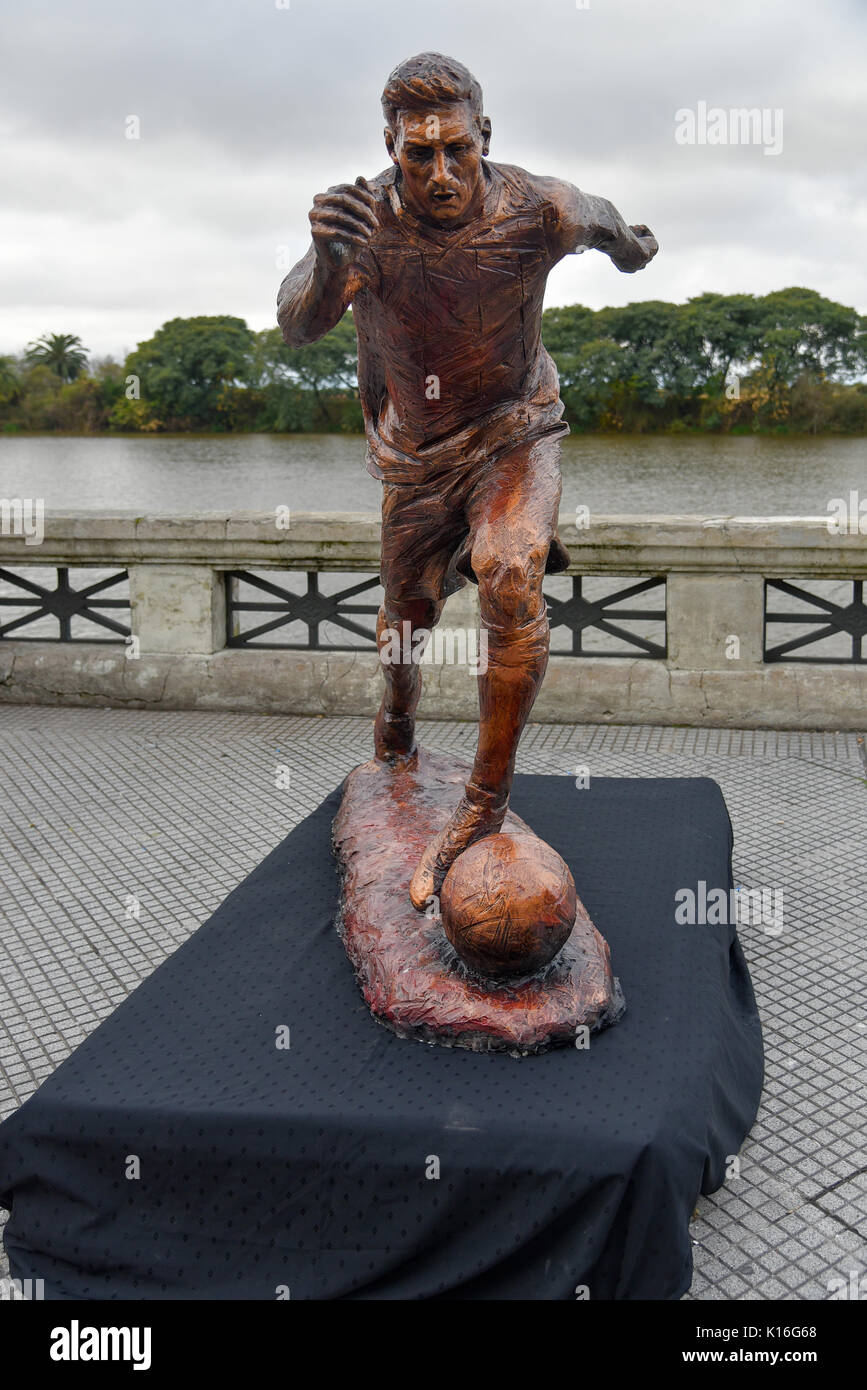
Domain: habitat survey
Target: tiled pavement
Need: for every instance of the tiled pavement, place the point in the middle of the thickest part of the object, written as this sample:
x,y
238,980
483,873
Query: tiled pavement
x,y
121,831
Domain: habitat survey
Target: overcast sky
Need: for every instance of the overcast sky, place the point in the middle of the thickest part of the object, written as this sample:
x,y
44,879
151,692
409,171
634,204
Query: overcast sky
x,y
247,109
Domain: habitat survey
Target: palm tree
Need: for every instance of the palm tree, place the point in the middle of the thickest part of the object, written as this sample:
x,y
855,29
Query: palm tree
x,y
64,353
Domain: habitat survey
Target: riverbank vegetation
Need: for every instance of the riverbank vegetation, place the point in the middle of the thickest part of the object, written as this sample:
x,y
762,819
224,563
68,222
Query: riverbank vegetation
x,y
790,361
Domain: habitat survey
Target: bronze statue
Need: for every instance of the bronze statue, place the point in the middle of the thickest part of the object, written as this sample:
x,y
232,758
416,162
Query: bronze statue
x,y
444,259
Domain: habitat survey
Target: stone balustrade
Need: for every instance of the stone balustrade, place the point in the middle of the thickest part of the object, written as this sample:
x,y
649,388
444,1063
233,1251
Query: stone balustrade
x,y
710,657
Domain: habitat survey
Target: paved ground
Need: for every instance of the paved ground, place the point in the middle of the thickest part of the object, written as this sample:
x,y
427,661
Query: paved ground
x,y
113,813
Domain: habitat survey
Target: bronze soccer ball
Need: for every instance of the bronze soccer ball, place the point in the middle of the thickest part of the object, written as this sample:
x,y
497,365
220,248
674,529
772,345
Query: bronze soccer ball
x,y
508,905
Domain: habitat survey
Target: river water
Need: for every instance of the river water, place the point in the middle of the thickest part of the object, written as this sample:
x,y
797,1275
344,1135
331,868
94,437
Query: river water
x,y
707,475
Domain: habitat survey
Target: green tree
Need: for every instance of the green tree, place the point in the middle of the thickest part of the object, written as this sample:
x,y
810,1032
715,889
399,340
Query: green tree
x,y
10,381
64,353
564,330
588,377
804,332
325,370
40,391
654,364
722,334
184,370
653,361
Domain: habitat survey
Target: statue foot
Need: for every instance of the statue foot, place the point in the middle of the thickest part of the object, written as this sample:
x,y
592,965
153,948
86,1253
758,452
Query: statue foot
x,y
394,741
479,814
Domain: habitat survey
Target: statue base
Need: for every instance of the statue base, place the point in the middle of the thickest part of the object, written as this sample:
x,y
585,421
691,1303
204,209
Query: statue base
x,y
578,1168
411,977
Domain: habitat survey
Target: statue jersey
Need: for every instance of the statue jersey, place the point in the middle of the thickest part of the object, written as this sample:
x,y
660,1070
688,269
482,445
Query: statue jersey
x,y
451,366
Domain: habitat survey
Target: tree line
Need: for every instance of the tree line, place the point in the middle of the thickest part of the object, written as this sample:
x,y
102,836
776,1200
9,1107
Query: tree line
x,y
787,361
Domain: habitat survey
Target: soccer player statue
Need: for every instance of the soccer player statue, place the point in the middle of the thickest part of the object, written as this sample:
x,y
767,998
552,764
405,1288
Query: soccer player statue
x,y
444,259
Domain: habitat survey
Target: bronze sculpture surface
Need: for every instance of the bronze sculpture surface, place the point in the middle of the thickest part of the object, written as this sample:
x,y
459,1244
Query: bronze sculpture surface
x,y
444,258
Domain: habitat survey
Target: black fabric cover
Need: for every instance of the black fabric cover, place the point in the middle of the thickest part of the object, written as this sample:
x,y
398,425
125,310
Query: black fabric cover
x,y
303,1171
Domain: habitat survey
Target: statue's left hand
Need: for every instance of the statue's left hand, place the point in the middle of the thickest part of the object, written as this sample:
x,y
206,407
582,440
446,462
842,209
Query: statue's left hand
x,y
644,236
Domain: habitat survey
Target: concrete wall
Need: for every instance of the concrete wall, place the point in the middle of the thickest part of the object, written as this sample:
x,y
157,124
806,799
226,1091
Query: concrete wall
x,y
715,570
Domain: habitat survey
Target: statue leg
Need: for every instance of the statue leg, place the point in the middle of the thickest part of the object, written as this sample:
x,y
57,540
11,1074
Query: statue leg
x,y
394,727
513,520
417,544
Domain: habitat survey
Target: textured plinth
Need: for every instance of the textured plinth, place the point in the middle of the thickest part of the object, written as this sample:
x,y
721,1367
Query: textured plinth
x,y
410,976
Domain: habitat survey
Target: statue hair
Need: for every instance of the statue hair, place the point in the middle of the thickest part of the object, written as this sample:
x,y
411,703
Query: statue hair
x,y
429,79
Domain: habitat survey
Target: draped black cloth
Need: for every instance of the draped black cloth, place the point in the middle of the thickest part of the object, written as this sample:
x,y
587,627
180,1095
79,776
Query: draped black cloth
x,y
354,1164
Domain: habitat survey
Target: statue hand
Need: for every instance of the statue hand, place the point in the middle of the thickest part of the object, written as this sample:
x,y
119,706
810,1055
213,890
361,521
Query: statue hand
x,y
644,236
343,220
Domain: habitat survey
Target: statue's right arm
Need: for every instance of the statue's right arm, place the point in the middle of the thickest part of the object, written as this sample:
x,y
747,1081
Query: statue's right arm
x,y
319,289
313,298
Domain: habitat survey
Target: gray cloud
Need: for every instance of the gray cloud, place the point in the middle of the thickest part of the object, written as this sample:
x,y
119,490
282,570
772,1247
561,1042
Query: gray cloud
x,y
247,110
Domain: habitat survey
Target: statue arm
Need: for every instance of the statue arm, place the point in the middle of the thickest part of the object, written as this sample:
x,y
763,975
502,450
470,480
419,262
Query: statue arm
x,y
313,298
580,221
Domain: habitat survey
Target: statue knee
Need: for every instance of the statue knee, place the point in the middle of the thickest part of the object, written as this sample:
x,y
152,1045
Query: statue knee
x,y
418,612
510,585
401,621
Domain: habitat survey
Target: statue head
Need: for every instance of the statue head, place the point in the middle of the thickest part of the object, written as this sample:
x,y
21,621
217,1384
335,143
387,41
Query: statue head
x,y
437,136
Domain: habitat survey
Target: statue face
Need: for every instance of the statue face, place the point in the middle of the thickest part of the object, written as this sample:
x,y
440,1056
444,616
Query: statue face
x,y
439,153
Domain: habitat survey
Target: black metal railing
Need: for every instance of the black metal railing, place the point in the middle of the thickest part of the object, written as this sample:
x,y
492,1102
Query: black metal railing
x,y
83,613
65,604
312,609
579,613
832,619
